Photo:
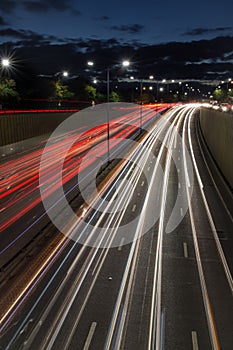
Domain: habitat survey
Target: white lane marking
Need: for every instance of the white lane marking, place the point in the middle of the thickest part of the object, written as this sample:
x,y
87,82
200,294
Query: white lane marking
x,y
121,243
178,158
179,185
178,170
212,225
138,194
142,184
90,336
194,340
134,208
181,212
148,169
175,143
185,250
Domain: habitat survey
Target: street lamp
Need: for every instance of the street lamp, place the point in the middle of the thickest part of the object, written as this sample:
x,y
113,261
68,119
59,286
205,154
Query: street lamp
x,y
5,65
5,62
90,63
125,63
65,74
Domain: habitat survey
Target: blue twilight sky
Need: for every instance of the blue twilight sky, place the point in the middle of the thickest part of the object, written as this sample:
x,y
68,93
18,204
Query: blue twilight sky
x,y
149,22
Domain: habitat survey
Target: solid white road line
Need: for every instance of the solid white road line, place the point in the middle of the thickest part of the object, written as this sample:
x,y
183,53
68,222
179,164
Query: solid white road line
x,y
121,243
90,336
185,250
134,208
194,340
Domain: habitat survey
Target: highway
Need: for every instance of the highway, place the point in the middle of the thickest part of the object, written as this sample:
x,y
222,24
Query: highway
x,y
146,264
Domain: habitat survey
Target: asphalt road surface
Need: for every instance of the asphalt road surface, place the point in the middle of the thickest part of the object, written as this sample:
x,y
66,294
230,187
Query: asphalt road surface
x,y
148,264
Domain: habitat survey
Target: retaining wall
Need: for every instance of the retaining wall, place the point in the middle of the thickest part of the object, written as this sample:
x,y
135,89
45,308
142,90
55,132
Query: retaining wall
x,y
20,126
217,128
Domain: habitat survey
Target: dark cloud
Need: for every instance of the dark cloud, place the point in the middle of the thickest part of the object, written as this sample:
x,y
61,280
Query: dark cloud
x,y
27,37
201,31
17,34
7,6
101,18
174,60
2,21
132,29
40,6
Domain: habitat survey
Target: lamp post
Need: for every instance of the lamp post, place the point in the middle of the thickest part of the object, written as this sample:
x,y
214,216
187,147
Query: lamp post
x,y
141,82
5,62
125,63
5,65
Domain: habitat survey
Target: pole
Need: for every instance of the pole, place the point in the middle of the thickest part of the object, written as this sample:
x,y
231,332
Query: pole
x,y
157,92
141,106
108,130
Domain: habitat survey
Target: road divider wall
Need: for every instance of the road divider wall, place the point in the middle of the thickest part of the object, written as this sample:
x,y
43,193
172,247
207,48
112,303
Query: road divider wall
x,y
217,129
16,127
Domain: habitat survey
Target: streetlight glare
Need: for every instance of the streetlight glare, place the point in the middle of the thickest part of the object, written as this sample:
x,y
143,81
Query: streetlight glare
x,y
151,77
90,63
125,63
65,74
5,62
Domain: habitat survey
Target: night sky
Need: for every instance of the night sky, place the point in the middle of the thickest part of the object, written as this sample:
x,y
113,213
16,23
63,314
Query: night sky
x,y
173,34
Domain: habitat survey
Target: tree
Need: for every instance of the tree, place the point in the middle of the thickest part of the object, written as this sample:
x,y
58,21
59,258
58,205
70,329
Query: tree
x,y
230,94
8,90
220,95
90,92
62,91
114,97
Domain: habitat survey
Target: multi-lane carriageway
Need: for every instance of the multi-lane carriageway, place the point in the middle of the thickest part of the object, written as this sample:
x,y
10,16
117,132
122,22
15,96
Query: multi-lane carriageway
x,y
147,265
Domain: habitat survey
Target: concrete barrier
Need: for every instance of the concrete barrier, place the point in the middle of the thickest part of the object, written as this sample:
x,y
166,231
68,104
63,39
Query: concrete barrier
x,y
217,129
20,126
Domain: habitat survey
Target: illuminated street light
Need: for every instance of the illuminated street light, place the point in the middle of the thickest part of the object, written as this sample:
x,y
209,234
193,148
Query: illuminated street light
x,y
125,64
5,62
65,74
151,77
90,63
